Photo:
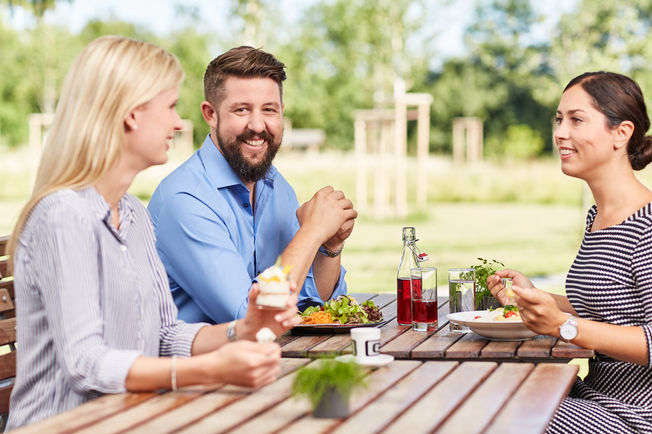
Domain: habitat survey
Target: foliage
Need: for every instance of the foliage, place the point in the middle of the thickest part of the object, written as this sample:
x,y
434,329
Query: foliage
x,y
520,142
345,55
346,310
312,381
483,270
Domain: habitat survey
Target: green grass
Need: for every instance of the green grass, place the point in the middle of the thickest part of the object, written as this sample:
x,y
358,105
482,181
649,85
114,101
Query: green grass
x,y
527,215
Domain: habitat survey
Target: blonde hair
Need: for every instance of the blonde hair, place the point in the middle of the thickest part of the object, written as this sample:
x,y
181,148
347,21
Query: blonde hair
x,y
112,76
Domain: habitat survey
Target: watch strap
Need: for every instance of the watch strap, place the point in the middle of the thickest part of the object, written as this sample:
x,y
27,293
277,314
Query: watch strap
x,y
330,253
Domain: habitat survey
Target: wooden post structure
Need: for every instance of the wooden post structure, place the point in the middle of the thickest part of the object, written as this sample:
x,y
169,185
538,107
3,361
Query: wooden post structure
x,y
467,139
383,134
360,134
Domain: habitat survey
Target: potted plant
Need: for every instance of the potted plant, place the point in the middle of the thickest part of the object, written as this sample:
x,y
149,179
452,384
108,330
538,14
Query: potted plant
x,y
328,384
483,298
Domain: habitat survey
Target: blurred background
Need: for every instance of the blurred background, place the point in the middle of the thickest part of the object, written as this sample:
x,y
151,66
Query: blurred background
x,y
494,67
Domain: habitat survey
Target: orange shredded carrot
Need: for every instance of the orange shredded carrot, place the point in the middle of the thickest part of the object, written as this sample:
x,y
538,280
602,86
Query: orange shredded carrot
x,y
319,317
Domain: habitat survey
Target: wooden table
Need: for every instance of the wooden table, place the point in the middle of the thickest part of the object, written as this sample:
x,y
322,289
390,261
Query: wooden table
x,y
404,343
405,396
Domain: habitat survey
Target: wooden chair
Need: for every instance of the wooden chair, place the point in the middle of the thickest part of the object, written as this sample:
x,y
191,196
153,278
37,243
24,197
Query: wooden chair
x,y
7,334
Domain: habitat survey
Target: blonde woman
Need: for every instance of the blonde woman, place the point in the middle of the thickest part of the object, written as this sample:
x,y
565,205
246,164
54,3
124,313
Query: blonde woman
x,y
94,310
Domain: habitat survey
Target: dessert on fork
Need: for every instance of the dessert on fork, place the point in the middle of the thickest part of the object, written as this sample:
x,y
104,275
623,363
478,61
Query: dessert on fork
x,y
274,287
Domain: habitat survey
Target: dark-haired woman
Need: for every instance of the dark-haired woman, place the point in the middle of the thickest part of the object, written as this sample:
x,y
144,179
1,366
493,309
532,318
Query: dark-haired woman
x,y
601,136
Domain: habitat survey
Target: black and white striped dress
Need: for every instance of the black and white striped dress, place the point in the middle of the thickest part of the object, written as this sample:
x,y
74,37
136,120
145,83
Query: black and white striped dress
x,y
611,281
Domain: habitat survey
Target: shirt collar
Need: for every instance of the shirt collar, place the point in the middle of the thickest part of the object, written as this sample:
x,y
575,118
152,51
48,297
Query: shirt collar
x,y
102,210
218,170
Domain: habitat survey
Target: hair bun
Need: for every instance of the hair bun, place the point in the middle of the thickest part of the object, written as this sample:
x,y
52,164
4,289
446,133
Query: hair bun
x,y
643,155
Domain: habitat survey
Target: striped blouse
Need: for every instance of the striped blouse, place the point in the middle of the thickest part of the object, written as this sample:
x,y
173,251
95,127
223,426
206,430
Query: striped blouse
x,y
611,282
90,300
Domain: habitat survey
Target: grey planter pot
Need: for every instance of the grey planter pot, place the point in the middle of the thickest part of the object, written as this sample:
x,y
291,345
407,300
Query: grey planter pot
x,y
332,404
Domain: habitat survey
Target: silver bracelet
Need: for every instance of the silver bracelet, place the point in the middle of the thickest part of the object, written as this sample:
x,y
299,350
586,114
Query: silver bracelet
x,y
173,374
230,331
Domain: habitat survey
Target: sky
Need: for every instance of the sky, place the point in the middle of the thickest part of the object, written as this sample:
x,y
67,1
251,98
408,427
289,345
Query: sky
x,y
160,16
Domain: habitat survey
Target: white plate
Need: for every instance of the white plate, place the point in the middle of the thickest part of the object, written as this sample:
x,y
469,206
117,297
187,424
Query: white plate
x,y
379,360
497,330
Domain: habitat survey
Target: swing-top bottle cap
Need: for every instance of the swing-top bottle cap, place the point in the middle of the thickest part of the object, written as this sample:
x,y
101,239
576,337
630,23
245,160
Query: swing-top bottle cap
x,y
409,233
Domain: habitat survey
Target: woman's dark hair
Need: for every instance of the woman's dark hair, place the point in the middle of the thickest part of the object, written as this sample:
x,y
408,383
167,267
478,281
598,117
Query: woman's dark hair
x,y
619,98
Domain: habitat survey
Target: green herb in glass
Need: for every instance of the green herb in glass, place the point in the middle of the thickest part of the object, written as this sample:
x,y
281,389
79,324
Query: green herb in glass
x,y
486,268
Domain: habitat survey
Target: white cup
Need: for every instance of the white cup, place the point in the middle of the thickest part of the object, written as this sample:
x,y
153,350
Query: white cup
x,y
366,343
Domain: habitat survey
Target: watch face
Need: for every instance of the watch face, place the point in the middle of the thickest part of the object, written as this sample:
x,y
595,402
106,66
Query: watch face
x,y
568,331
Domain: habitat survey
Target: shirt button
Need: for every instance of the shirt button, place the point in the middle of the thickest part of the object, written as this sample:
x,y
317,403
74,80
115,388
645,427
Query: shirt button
x,y
246,205
123,247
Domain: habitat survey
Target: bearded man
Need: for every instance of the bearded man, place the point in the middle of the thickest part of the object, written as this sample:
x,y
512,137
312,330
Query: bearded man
x,y
226,213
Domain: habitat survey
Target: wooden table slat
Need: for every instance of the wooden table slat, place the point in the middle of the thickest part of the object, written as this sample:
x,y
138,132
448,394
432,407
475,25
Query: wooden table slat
x,y
384,299
396,400
477,412
443,399
500,350
566,350
7,331
226,418
91,412
300,346
535,402
336,344
206,404
378,382
8,284
436,345
136,415
402,346
537,348
468,347
5,393
391,331
8,365
389,311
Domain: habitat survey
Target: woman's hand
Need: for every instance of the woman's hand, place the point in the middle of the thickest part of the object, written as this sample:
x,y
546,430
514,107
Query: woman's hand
x,y
495,284
538,310
277,321
243,363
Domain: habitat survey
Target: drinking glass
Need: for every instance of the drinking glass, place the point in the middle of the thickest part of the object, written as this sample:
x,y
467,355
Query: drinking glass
x,y
424,298
461,294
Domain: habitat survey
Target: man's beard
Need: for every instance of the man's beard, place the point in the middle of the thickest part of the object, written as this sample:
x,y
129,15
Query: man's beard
x,y
233,154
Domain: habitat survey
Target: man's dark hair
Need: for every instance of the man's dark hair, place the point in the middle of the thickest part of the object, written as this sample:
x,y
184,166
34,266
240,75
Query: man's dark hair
x,y
242,62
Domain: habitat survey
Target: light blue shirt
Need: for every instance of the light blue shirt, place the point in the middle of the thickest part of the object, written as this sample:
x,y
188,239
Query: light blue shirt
x,y
213,245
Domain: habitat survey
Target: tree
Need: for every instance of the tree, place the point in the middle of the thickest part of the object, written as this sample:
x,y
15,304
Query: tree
x,y
606,35
347,55
496,81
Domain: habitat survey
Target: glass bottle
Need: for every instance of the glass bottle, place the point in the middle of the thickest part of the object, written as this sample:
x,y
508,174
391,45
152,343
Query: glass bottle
x,y
409,259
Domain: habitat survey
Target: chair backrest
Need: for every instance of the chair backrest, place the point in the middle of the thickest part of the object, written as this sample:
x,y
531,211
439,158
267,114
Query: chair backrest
x,y
7,333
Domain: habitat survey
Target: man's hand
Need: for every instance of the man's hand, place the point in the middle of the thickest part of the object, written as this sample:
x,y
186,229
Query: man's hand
x,y
335,242
329,216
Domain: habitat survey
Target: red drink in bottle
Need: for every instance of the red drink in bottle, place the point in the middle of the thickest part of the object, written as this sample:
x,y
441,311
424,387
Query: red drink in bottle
x,y
403,301
409,260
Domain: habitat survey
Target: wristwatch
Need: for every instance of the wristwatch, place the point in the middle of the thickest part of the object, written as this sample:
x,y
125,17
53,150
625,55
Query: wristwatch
x,y
230,331
330,253
568,330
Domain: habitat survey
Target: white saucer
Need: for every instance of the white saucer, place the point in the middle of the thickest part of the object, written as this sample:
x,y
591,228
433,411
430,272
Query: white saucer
x,y
379,360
